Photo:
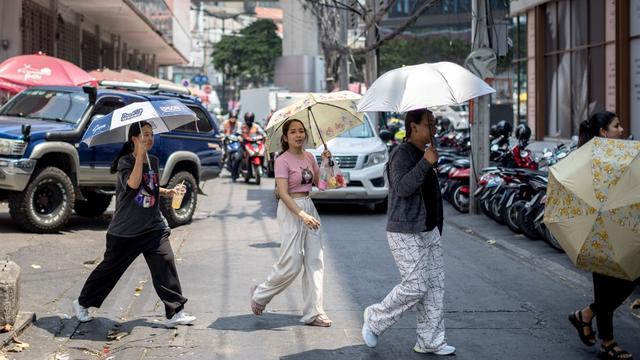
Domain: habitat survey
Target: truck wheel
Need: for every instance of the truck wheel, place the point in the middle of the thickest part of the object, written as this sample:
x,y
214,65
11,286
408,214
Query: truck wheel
x,y
95,205
183,215
45,204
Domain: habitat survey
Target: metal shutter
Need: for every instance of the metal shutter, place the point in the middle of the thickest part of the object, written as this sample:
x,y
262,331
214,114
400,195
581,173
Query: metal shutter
x,y
37,28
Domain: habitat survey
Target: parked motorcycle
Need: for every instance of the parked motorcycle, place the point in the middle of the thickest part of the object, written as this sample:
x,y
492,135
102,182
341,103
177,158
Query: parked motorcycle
x,y
254,156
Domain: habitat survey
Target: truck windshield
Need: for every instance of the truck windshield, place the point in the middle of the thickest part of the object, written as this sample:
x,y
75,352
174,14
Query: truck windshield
x,y
361,131
52,105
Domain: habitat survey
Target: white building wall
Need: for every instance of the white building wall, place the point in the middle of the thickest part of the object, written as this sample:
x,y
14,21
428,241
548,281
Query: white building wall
x,y
301,33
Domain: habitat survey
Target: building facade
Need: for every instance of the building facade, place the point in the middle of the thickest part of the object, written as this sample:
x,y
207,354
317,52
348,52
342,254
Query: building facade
x,y
574,58
135,34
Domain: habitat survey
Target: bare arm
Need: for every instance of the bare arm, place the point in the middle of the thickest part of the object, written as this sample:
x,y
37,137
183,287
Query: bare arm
x,y
135,178
282,185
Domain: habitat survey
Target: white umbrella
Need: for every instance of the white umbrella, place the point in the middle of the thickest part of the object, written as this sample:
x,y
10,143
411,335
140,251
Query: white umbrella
x,y
423,86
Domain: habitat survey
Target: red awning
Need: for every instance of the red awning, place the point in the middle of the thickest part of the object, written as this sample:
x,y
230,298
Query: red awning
x,y
20,72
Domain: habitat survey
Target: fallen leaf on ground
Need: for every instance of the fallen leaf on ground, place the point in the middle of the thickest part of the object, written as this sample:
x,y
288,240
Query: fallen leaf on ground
x,y
116,335
636,304
61,357
36,266
90,262
6,328
468,231
491,242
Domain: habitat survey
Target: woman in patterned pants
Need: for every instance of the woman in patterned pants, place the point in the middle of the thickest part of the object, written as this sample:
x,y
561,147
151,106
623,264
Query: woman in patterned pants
x,y
414,226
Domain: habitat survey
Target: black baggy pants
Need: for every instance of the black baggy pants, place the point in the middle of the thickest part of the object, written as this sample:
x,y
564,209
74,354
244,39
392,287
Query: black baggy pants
x,y
608,294
120,253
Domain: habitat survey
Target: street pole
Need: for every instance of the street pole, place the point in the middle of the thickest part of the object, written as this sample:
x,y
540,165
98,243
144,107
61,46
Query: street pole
x,y
343,72
480,125
370,57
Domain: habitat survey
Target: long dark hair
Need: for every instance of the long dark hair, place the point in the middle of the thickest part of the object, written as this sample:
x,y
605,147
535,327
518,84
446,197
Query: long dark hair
x,y
127,148
414,117
591,128
285,129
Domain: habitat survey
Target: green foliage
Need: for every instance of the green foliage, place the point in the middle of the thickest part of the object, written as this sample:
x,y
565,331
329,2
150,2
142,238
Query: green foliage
x,y
250,55
398,52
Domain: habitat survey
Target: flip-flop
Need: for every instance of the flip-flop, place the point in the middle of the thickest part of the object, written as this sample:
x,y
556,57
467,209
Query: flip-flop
x,y
321,321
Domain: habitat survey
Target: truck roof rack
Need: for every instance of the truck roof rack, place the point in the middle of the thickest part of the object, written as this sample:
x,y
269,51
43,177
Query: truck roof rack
x,y
176,89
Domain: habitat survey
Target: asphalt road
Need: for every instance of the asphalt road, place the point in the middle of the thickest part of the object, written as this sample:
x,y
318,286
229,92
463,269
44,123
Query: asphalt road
x,y
506,297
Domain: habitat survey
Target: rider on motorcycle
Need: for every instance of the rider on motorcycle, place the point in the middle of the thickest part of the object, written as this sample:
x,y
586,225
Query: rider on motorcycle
x,y
250,127
230,127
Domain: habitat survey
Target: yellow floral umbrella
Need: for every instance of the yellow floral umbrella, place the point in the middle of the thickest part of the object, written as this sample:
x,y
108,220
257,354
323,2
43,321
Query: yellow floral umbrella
x,y
593,207
325,116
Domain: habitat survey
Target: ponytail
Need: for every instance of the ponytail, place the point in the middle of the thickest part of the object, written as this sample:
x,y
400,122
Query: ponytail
x,y
127,147
591,128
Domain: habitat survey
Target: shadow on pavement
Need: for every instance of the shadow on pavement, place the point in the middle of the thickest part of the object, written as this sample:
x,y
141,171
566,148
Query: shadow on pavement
x,y
99,329
346,353
250,322
271,244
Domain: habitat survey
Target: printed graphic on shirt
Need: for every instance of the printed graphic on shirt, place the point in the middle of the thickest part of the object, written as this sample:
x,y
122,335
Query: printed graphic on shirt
x,y
307,176
146,193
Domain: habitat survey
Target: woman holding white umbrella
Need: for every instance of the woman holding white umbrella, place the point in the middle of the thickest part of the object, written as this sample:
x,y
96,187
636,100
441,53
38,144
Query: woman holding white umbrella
x,y
137,227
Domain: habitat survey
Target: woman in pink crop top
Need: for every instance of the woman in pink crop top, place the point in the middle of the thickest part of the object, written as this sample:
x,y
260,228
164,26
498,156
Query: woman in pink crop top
x,y
299,224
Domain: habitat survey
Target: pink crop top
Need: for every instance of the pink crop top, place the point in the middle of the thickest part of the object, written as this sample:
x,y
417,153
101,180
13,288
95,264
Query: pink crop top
x,y
299,172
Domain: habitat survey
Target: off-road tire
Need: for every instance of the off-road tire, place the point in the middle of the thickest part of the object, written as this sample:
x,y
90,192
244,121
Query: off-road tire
x,y
182,216
95,205
45,181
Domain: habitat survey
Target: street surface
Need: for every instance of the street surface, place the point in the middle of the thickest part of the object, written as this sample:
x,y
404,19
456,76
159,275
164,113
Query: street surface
x,y
507,297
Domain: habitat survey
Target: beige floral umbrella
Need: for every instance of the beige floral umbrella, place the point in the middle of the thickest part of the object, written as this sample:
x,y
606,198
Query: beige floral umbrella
x,y
593,207
325,116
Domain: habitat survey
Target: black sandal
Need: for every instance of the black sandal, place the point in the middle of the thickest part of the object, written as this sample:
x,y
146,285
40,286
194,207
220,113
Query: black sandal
x,y
610,353
580,325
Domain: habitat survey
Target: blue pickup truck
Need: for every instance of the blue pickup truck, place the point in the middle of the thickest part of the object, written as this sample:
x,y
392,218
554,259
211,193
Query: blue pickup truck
x,y
46,172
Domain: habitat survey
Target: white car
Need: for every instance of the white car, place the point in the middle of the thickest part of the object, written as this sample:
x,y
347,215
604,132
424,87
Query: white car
x,y
362,157
457,114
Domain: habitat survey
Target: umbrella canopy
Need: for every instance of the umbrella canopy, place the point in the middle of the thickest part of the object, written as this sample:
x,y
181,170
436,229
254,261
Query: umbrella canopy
x,y
20,72
423,86
137,76
325,116
593,207
163,115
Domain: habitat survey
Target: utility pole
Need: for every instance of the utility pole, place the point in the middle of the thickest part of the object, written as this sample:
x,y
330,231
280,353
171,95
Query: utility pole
x,y
480,126
371,59
343,72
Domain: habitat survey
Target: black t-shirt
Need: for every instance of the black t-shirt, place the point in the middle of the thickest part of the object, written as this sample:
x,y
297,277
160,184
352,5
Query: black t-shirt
x,y
429,188
137,210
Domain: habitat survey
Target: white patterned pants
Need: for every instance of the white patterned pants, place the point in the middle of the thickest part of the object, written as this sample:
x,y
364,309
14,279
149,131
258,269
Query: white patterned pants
x,y
301,249
419,260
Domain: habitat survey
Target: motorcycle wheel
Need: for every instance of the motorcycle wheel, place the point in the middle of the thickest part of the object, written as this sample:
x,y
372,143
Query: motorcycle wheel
x,y
256,172
494,209
459,200
484,207
247,173
527,225
549,238
511,216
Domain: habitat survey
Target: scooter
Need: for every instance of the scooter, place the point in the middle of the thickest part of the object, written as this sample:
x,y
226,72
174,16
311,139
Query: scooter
x,y
254,154
231,149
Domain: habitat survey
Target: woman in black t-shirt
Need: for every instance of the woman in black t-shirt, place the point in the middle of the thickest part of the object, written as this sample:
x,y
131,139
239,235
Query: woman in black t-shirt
x,y
137,227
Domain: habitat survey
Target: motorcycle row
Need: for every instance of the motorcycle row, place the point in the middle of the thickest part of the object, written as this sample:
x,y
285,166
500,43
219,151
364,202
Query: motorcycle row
x,y
512,191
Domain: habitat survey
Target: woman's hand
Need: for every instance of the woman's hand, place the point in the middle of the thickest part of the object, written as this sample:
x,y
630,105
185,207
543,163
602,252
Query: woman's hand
x,y
326,154
311,222
140,148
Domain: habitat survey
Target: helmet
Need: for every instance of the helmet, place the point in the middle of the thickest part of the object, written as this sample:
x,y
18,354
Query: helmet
x,y
504,128
523,132
249,118
233,114
445,122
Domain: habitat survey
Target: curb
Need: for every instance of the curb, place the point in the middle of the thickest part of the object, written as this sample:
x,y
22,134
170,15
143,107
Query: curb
x,y
547,267
23,321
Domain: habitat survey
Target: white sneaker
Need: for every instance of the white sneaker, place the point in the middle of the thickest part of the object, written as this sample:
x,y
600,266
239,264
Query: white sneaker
x,y
180,318
444,351
82,313
370,338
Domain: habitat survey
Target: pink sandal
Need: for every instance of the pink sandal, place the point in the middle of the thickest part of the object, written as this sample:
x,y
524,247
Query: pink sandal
x,y
256,308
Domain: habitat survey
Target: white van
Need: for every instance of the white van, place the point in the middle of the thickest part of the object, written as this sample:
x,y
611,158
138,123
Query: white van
x,y
362,157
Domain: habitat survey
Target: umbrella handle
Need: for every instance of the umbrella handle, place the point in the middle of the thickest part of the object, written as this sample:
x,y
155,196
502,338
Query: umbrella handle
x,y
145,153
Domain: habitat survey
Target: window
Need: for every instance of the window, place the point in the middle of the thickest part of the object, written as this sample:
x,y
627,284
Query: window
x,y
519,53
50,105
202,125
574,64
